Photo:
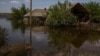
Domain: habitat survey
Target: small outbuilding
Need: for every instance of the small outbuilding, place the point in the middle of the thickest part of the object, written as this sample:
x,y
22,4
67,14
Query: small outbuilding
x,y
81,12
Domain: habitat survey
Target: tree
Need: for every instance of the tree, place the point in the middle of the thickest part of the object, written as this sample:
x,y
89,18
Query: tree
x,y
17,17
59,14
94,10
18,13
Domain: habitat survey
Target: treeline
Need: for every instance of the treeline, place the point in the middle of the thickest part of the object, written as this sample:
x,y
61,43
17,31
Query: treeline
x,y
4,14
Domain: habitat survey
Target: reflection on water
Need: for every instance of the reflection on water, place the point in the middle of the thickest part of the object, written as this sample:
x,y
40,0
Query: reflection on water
x,y
55,41
74,41
18,24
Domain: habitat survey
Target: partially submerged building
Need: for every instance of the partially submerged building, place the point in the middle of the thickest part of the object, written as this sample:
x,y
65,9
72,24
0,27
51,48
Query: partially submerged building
x,y
78,10
37,14
81,12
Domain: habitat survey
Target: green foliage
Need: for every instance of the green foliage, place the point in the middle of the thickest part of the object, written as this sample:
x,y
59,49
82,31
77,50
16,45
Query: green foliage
x,y
2,36
23,10
18,13
16,17
94,10
59,14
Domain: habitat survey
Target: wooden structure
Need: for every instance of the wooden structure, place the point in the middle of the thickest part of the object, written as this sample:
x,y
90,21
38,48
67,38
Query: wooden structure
x,y
81,12
38,14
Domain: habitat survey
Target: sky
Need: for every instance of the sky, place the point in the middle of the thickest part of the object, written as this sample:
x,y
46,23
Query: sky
x,y
6,5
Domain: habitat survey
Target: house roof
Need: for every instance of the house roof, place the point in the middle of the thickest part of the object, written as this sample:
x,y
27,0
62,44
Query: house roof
x,y
76,9
37,13
79,9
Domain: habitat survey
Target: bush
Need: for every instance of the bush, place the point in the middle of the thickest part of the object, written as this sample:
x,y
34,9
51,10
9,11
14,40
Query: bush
x,y
2,36
94,10
59,14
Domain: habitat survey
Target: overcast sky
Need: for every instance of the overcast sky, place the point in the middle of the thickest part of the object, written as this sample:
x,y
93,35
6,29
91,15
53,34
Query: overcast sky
x,y
5,5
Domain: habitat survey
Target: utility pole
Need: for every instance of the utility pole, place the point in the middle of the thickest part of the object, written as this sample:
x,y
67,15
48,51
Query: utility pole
x,y
30,22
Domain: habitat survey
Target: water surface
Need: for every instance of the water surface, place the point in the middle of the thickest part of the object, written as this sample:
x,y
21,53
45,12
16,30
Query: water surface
x,y
56,40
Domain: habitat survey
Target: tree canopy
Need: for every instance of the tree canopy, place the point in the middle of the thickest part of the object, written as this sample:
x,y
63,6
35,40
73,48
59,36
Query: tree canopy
x,y
18,13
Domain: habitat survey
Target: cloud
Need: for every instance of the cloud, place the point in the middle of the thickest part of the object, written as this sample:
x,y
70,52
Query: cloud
x,y
14,1
27,1
3,3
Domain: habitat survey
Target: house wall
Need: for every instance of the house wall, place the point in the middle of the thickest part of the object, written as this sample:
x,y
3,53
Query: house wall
x,y
35,20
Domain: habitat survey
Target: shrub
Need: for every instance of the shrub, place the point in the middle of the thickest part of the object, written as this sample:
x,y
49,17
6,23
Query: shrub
x,y
94,10
2,36
59,14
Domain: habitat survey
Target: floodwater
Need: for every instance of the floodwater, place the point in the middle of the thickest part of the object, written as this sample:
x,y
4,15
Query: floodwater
x,y
56,41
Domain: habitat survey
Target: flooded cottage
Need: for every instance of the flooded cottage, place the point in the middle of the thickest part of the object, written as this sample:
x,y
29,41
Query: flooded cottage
x,y
81,12
39,15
